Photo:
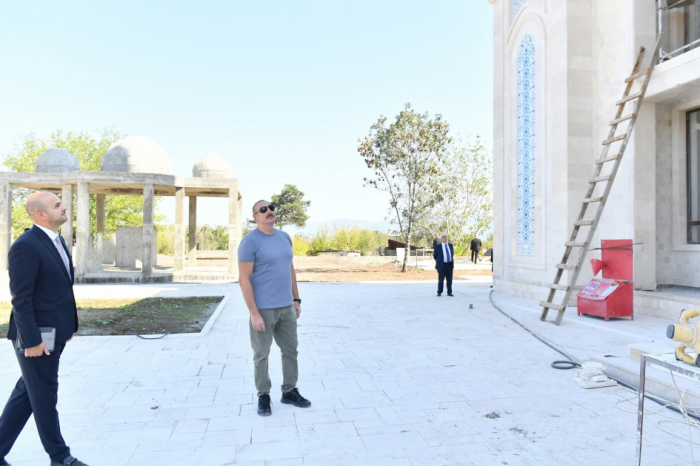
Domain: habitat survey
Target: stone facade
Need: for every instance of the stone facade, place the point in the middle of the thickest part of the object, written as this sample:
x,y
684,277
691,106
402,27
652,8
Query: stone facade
x,y
579,53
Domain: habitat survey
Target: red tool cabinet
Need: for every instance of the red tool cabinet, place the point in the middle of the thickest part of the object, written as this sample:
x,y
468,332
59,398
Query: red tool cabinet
x,y
612,295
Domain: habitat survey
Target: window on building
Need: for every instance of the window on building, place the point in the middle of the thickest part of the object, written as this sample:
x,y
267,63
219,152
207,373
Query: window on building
x,y
680,23
693,148
692,25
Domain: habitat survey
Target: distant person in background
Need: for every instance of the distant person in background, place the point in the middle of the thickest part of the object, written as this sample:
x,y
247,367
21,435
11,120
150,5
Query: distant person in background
x,y
436,241
444,254
475,247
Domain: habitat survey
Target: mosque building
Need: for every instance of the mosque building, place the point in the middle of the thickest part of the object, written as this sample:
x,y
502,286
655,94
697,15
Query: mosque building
x,y
559,69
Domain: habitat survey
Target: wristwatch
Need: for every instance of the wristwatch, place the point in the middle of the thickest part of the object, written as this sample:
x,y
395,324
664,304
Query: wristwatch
x,y
297,300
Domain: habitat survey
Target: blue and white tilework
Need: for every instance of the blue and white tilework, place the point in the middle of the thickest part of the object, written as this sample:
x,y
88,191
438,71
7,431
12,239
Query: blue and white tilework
x,y
515,6
526,148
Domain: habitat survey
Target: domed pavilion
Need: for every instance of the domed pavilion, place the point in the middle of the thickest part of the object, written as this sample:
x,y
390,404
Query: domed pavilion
x,y
131,166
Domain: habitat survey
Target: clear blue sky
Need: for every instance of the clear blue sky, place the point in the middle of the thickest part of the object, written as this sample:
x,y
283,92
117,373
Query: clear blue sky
x,y
282,89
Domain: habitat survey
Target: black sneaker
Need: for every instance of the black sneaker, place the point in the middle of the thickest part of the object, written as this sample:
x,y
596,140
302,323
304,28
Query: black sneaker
x,y
70,461
264,405
292,397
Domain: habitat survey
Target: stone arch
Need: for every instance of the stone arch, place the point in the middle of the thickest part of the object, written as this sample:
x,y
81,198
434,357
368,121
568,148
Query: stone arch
x,y
527,34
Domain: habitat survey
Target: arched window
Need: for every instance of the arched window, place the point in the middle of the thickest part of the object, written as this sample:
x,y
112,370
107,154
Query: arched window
x,y
526,148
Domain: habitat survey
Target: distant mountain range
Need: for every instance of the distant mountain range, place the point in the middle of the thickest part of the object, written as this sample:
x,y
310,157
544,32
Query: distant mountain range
x,y
312,227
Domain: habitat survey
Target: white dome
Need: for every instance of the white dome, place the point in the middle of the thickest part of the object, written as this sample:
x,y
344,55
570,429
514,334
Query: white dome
x,y
212,165
137,154
57,161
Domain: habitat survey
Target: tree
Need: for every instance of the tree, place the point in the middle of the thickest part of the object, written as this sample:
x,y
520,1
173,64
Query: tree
x,y
291,207
404,156
119,210
464,206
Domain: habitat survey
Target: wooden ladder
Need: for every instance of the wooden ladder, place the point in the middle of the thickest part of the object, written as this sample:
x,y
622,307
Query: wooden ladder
x,y
599,179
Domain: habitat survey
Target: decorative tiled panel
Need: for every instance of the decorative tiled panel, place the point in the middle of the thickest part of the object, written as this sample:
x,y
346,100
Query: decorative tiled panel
x,y
526,148
517,5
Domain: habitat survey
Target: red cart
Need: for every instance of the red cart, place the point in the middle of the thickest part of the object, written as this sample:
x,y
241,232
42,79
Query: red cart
x,y
612,295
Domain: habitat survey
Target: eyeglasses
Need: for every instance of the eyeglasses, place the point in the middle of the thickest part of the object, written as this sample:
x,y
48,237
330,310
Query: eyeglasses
x,y
264,208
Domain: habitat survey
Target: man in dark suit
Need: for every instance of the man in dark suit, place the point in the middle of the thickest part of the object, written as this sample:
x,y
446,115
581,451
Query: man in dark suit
x,y
475,247
444,254
41,283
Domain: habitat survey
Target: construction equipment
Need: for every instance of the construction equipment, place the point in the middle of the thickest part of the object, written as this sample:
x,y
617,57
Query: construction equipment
x,y
597,183
687,336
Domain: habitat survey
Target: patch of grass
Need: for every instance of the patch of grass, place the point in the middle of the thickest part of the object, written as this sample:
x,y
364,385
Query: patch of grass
x,y
142,316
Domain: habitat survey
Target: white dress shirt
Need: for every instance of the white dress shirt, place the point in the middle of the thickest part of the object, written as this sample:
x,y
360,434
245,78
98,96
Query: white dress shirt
x,y
446,253
53,236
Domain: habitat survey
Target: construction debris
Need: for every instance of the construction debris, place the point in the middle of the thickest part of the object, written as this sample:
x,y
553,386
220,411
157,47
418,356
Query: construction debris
x,y
591,376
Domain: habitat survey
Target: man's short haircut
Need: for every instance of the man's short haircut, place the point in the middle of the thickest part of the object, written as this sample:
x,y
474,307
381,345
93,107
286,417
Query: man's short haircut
x,y
261,200
35,205
443,235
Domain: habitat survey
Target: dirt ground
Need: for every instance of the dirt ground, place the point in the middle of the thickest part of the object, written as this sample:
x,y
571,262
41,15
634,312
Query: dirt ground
x,y
139,316
370,268
366,268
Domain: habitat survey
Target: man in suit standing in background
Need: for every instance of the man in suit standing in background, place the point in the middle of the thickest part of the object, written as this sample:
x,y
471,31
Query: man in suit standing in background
x,y
475,247
41,284
444,253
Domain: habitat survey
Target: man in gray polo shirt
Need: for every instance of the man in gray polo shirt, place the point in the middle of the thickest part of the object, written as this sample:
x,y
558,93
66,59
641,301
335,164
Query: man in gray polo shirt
x,y
269,286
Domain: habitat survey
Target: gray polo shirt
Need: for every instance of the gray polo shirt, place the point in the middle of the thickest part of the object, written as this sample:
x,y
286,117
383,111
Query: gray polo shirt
x,y
272,276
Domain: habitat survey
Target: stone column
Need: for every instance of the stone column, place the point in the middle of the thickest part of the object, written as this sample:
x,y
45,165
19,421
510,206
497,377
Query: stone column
x,y
147,251
5,223
67,228
100,208
234,230
82,234
179,229
641,153
192,246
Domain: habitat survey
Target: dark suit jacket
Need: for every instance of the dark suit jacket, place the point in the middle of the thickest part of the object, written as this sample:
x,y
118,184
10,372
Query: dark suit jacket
x,y
439,260
475,245
42,289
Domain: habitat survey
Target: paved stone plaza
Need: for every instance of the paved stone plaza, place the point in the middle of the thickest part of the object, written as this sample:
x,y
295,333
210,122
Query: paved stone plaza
x,y
396,375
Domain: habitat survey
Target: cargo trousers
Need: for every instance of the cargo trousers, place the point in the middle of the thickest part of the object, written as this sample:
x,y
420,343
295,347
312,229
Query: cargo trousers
x,y
280,324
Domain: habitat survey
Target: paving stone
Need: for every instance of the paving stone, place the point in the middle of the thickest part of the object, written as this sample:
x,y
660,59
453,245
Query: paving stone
x,y
397,378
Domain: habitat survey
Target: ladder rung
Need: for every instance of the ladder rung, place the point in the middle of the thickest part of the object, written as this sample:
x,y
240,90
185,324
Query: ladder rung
x,y
555,286
598,179
637,75
628,98
616,138
589,200
607,159
621,119
558,307
566,267
574,244
588,221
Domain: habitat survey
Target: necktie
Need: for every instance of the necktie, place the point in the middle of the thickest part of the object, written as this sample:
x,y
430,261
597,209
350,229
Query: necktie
x,y
447,251
62,253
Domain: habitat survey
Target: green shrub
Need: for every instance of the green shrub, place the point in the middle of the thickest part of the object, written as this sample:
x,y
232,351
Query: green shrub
x,y
300,246
166,239
343,237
